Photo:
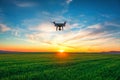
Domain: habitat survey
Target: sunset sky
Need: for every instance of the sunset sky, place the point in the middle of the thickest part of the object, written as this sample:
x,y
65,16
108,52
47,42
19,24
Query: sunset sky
x,y
92,25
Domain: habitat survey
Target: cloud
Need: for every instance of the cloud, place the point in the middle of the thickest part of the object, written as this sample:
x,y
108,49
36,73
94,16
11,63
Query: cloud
x,y
4,28
96,35
68,1
43,27
106,27
46,13
25,4
96,32
105,15
16,32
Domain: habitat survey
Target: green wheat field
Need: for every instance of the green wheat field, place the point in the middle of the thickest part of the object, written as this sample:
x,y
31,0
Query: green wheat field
x,y
59,66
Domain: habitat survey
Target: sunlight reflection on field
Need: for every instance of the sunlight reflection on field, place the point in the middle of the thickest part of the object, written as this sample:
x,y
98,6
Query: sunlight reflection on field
x,y
61,55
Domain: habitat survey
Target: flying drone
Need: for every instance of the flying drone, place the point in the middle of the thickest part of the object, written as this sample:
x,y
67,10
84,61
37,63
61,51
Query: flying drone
x,y
59,26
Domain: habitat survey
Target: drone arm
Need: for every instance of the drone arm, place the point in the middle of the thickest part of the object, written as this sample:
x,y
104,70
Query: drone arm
x,y
64,23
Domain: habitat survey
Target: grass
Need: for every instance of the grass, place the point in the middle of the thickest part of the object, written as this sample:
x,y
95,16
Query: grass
x,y
59,66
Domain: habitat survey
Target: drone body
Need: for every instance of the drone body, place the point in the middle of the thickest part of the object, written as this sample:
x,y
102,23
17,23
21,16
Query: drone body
x,y
59,26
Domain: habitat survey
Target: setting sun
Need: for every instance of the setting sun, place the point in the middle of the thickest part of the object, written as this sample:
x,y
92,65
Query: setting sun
x,y
61,51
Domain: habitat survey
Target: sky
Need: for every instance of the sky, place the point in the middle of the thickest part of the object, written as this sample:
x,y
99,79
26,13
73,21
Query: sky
x,y
92,25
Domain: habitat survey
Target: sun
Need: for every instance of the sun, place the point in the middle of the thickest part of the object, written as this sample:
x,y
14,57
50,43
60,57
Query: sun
x,y
61,51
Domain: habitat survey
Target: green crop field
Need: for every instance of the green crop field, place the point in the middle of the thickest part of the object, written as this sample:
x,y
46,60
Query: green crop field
x,y
59,66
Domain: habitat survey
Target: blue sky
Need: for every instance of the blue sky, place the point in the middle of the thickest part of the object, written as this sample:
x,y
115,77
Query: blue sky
x,y
91,25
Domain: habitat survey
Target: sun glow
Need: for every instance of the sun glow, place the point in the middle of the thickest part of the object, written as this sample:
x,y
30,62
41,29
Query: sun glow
x,y
61,51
